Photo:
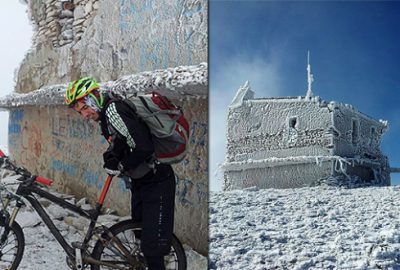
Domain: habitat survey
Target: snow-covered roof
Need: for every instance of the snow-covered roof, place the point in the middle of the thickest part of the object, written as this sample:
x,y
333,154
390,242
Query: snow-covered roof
x,y
178,82
245,94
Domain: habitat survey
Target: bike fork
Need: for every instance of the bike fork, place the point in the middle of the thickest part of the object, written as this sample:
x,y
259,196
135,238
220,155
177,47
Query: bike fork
x,y
14,214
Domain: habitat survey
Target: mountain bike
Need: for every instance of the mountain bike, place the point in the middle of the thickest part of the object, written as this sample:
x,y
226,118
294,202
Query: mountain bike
x,y
115,247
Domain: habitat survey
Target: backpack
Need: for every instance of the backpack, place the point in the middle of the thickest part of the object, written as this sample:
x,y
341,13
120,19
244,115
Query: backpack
x,y
167,124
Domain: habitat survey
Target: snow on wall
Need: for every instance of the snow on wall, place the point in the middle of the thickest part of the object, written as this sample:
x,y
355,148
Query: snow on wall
x,y
287,176
277,129
179,82
360,135
286,137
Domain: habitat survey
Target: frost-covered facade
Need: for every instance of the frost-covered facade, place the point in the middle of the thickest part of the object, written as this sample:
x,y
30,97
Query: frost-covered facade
x,y
288,142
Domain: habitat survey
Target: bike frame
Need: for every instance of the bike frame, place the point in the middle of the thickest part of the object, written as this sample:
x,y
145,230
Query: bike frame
x,y
25,190
74,251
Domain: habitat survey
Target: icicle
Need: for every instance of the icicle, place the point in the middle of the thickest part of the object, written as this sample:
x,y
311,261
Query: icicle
x,y
342,162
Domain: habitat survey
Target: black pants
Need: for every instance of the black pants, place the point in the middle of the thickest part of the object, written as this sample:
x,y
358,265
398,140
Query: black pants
x,y
153,201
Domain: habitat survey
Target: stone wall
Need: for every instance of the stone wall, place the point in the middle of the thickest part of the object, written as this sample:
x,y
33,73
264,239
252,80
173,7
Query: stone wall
x,y
54,142
62,22
111,38
111,41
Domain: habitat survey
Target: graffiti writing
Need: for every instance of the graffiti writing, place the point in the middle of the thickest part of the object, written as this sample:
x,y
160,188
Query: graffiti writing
x,y
192,25
199,133
61,166
189,192
72,128
15,118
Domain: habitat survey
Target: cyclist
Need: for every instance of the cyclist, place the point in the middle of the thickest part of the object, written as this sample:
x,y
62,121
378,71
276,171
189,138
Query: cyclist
x,y
131,148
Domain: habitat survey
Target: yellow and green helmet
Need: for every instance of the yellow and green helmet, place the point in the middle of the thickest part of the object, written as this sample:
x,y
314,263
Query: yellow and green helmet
x,y
79,89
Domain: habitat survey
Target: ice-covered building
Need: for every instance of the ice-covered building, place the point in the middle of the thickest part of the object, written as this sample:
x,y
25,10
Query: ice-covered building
x,y
287,142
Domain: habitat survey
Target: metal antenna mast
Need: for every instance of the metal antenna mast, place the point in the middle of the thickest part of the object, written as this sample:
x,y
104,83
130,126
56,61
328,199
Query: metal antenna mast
x,y
310,78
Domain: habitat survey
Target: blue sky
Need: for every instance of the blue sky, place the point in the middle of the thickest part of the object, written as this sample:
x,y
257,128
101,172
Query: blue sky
x,y
355,59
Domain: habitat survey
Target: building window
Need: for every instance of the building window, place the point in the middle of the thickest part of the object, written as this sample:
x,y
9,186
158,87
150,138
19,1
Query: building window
x,y
293,122
355,131
373,136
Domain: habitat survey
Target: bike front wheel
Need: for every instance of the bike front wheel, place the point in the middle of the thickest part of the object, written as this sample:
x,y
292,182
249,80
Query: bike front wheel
x,y
12,244
127,233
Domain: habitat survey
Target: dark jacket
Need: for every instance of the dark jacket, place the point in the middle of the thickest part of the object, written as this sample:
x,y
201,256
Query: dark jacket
x,y
129,138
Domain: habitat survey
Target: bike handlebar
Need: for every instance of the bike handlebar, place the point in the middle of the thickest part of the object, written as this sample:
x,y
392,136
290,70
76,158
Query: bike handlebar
x,y
44,181
22,171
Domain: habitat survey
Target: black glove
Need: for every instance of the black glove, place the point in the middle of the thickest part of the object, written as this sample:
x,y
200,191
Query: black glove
x,y
110,164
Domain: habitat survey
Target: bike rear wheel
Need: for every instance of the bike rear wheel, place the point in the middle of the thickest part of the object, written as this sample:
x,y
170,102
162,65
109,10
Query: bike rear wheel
x,y
126,232
12,245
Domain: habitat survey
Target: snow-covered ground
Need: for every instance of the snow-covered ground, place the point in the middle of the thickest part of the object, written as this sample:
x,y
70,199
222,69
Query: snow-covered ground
x,y
43,252
307,228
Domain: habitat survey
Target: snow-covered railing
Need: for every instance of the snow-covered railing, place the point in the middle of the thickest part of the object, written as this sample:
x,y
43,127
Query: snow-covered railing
x,y
179,82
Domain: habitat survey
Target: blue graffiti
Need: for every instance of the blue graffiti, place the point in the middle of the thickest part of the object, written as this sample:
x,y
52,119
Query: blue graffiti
x,y
103,140
17,115
151,56
12,142
14,128
202,192
60,144
91,178
203,133
121,185
166,49
59,165
129,10
80,129
182,192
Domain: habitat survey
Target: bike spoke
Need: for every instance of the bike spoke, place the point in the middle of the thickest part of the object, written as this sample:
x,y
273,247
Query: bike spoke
x,y
171,262
8,250
109,250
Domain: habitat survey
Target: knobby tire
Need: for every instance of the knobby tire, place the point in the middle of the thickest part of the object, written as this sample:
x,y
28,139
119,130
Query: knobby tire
x,y
12,249
175,260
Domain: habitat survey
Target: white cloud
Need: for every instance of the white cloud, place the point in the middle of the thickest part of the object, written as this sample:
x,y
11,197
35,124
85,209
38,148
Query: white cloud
x,y
225,79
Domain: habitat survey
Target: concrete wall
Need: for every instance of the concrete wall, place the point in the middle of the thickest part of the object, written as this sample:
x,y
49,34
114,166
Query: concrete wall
x,y
55,143
108,39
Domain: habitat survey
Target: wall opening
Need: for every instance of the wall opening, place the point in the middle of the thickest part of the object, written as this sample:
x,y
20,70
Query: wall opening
x,y
293,122
373,136
355,131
